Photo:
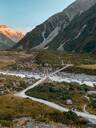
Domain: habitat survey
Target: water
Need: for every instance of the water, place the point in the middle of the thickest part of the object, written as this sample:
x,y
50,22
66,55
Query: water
x,y
89,80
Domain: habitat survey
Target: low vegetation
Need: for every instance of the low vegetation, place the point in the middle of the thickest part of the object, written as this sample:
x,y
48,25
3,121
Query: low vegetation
x,y
35,60
62,93
14,107
13,84
92,104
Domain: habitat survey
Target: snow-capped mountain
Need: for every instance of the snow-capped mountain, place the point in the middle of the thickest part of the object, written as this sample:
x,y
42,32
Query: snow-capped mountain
x,y
45,33
14,35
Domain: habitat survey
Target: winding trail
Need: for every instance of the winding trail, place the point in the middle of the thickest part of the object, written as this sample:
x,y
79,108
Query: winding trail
x,y
85,106
86,115
90,117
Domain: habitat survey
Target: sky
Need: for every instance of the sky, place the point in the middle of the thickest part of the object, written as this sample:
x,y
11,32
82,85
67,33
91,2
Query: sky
x,y
24,15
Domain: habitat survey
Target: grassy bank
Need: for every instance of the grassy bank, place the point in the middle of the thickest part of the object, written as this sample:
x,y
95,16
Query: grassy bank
x,y
14,107
60,93
33,60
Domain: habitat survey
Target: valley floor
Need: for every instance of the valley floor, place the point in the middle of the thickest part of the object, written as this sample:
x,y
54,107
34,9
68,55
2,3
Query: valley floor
x,y
20,70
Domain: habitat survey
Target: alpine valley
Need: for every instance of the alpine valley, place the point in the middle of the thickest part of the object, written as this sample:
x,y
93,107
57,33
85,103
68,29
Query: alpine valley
x,y
48,75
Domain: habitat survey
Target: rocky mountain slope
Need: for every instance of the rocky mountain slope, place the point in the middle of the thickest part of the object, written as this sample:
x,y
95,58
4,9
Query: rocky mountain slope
x,y
5,42
43,35
11,33
79,35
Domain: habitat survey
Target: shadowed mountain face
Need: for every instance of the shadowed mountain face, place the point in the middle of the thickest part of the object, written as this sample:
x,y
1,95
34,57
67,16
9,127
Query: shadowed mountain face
x,y
79,35
5,42
53,33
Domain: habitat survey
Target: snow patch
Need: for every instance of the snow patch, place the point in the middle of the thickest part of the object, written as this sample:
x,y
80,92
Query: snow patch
x,y
82,29
43,35
60,48
47,40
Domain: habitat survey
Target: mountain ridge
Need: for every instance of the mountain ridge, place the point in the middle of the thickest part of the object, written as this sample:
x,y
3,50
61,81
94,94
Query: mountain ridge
x,y
11,33
9,37
80,35
43,34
